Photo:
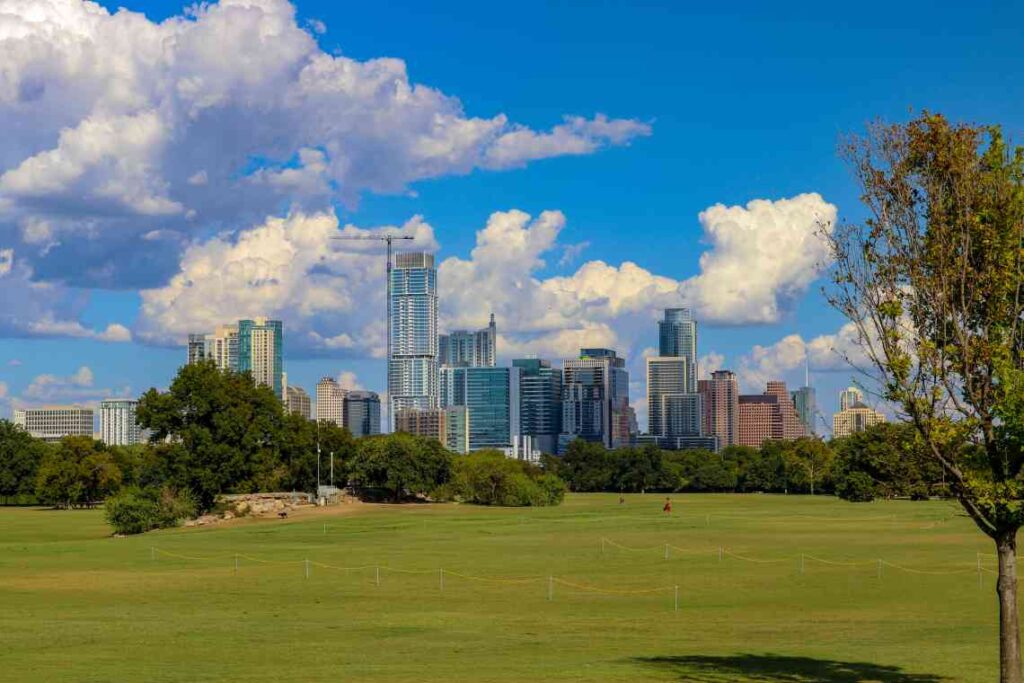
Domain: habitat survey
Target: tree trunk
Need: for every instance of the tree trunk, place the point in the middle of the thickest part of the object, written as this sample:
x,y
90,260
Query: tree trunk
x,y
1009,622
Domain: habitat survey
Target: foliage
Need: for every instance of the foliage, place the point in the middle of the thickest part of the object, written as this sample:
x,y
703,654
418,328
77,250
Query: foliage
x,y
892,456
20,455
78,472
227,432
856,487
135,510
490,478
933,281
400,464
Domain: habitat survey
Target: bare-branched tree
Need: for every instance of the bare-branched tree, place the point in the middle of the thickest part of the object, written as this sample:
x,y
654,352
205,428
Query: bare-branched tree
x,y
933,281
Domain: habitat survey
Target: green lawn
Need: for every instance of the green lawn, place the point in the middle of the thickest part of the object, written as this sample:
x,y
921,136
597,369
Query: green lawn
x,y
78,605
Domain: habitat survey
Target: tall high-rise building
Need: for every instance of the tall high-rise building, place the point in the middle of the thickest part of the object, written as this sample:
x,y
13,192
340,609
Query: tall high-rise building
x,y
473,349
770,415
53,423
362,412
806,408
196,348
540,403
330,401
849,397
491,397
448,425
720,400
117,422
595,399
677,337
260,352
792,427
412,369
297,402
219,347
673,405
853,416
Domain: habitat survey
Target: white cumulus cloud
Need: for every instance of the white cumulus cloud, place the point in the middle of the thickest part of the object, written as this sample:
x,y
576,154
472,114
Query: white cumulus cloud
x,y
762,257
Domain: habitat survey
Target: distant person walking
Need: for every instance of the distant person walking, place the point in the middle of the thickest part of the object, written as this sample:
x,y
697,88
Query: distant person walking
x,y
668,506
622,499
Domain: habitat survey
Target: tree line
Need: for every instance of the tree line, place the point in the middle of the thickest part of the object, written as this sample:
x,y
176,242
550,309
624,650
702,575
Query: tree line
x,y
215,432
886,461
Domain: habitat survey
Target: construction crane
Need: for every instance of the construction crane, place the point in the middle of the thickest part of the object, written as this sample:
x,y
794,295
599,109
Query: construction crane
x,y
387,239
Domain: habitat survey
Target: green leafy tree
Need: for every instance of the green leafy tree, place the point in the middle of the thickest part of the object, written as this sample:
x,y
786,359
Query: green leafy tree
x,y
588,466
401,464
637,469
934,283
299,440
809,465
490,478
226,432
20,455
78,472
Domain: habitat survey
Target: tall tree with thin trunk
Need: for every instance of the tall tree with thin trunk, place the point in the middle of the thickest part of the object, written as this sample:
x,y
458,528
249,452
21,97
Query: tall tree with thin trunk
x,y
933,281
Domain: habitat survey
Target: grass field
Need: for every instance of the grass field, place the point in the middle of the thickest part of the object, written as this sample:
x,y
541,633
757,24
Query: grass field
x,y
78,605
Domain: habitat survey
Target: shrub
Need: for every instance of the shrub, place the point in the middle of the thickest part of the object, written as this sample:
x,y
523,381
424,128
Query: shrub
x,y
489,478
856,487
136,510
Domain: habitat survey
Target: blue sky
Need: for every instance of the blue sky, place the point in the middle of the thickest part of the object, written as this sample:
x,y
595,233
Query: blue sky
x,y
744,103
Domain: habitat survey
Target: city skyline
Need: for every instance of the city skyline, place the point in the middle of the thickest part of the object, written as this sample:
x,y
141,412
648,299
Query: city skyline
x,y
554,212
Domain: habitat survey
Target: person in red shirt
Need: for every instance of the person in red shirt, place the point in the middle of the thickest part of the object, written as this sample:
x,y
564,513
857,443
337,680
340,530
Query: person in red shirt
x,y
668,506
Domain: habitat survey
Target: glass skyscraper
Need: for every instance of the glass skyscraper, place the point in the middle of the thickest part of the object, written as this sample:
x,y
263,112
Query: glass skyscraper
x,y
260,347
595,399
677,337
491,397
412,369
474,349
540,402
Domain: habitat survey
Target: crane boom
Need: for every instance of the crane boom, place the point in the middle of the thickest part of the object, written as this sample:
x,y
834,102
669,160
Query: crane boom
x,y
387,239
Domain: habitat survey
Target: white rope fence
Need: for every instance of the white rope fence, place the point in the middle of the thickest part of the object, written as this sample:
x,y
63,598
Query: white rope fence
x,y
550,581
723,552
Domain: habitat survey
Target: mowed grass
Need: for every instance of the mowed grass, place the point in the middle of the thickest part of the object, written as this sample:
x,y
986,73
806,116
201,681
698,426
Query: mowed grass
x,y
78,605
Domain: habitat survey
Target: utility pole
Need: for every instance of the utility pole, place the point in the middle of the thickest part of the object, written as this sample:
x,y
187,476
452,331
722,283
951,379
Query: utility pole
x,y
387,239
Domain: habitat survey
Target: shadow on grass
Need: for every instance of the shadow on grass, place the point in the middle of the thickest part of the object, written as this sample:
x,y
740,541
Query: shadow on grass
x,y
780,669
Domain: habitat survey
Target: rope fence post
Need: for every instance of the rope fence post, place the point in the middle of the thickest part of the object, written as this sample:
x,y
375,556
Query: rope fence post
x,y
307,567
378,576
719,553
152,553
801,563
879,570
677,599
666,551
551,588
325,529
442,579
707,520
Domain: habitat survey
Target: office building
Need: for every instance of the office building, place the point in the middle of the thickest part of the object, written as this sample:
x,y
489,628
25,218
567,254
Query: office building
x,y
53,423
677,338
849,397
450,425
260,352
720,402
117,422
471,349
219,347
492,399
362,412
297,402
673,404
770,415
456,434
330,401
806,406
413,366
540,403
595,399
854,416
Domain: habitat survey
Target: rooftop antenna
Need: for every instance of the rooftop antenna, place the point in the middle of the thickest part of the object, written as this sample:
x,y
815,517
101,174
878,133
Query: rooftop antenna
x,y
387,239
